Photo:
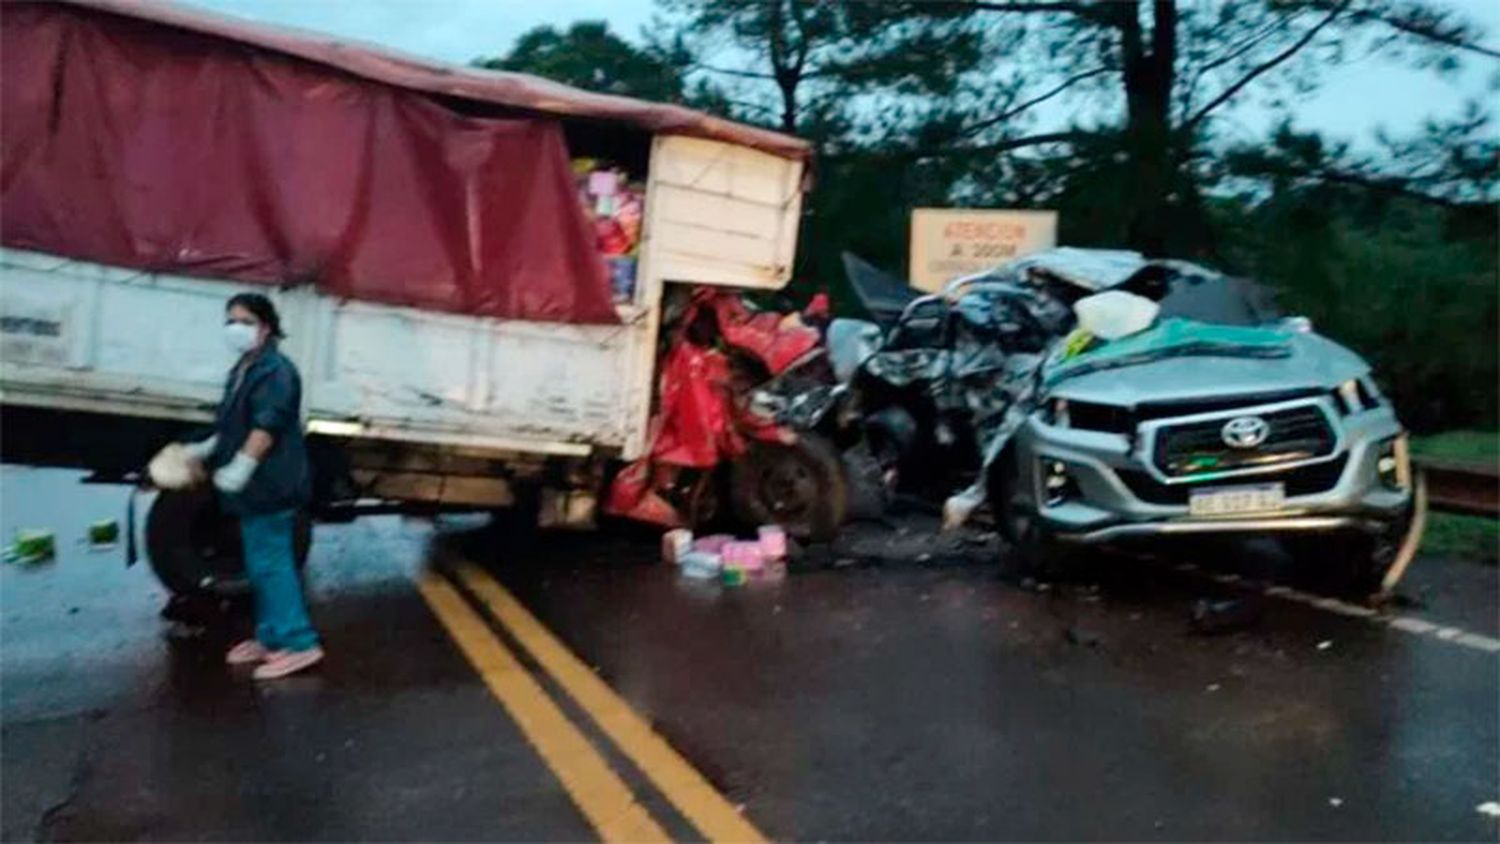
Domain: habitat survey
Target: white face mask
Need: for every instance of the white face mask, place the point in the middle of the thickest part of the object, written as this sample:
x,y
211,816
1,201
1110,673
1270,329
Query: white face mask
x,y
240,337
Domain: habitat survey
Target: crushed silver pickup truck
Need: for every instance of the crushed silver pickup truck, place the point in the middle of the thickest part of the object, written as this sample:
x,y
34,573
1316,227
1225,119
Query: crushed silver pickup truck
x,y
1099,397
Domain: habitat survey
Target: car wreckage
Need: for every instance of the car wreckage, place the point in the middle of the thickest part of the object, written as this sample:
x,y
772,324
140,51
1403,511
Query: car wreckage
x,y
1100,397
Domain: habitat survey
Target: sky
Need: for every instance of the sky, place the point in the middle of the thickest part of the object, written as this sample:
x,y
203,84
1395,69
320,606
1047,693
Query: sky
x,y
1355,99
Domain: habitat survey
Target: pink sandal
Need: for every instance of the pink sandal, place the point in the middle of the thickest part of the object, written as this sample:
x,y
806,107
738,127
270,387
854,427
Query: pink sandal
x,y
247,652
282,663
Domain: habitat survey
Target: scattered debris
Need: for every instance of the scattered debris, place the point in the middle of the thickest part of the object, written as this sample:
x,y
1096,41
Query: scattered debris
x,y
32,547
731,561
700,565
676,544
1406,601
1213,687
1325,644
1084,638
104,534
1214,617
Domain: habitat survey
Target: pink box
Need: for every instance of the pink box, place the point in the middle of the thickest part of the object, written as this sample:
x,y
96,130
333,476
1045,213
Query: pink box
x,y
744,555
773,542
713,544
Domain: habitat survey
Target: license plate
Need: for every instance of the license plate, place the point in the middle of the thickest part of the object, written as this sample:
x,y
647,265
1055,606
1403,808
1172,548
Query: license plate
x,y
1236,500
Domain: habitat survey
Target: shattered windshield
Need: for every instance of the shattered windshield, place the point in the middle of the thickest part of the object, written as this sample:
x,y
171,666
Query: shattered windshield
x,y
1188,291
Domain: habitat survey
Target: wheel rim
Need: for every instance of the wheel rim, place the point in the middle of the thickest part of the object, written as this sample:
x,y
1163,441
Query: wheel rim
x,y
788,490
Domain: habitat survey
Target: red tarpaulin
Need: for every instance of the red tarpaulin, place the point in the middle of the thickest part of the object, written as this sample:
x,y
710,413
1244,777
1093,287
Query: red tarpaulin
x,y
137,144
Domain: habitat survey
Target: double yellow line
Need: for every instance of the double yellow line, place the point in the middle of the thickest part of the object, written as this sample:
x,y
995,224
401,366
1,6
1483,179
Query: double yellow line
x,y
597,790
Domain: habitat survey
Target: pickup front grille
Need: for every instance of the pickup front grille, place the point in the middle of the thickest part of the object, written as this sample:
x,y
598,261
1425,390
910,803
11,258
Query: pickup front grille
x,y
1302,480
1192,448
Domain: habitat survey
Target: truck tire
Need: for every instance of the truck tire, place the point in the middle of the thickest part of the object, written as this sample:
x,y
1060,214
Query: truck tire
x,y
194,546
800,487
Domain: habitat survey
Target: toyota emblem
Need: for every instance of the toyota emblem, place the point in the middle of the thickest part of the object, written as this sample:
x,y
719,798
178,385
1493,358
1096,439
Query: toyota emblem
x,y
1245,432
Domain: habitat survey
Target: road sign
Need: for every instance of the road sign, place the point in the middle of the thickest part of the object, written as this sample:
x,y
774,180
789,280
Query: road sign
x,y
947,243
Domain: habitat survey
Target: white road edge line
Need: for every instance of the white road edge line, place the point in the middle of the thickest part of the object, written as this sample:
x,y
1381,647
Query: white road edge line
x,y
1407,624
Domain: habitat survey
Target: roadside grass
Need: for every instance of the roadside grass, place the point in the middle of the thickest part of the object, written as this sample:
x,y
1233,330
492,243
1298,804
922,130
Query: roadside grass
x,y
1475,537
1481,447
1471,537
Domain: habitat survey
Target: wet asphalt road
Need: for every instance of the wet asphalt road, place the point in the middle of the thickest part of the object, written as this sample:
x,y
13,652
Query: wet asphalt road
x,y
926,696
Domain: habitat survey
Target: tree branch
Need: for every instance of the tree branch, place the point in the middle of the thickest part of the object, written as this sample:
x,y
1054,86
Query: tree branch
x,y
802,45
748,74
1228,93
1245,46
996,147
1389,185
1427,34
751,74
1234,53
969,130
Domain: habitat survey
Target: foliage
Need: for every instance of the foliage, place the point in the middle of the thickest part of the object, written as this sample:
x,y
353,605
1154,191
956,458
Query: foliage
x,y
1469,537
588,55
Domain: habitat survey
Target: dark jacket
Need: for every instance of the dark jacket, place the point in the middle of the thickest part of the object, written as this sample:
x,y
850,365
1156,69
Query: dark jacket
x,y
269,397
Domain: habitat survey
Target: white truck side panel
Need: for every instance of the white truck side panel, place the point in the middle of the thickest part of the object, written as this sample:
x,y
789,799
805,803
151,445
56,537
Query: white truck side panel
x,y
75,334
403,368
90,337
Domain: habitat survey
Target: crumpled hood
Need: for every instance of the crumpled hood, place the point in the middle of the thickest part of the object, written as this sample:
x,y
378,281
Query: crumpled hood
x,y
1311,361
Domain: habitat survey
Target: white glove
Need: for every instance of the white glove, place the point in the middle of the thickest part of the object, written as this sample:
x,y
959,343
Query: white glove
x,y
202,449
233,476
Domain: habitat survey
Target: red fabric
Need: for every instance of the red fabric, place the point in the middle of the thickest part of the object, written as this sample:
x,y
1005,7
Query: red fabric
x,y
633,495
698,422
818,307
693,423
143,145
766,334
518,90
692,428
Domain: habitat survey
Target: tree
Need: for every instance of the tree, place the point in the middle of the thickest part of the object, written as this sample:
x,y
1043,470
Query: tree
x,y
587,55
1178,68
836,72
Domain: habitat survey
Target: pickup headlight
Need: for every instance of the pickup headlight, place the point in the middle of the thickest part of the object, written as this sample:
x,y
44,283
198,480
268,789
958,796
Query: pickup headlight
x,y
1058,485
1357,395
1393,466
1349,395
1055,413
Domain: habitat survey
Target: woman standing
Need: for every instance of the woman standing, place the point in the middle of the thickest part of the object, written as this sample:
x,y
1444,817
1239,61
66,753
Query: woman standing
x,y
259,465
